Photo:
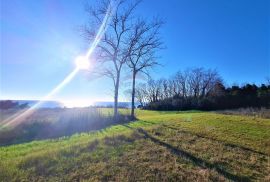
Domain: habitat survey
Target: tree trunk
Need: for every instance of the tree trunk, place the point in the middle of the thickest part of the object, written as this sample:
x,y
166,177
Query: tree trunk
x,y
133,95
116,88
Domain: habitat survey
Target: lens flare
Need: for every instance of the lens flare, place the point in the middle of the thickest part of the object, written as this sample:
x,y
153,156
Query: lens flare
x,y
17,118
81,63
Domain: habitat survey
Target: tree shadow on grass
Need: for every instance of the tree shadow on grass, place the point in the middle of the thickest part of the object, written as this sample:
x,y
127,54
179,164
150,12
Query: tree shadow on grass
x,y
197,161
212,139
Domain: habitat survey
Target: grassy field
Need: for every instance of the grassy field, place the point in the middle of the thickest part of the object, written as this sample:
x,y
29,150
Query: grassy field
x,y
159,146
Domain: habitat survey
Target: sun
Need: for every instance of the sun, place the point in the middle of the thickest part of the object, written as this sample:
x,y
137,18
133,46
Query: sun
x,y
82,63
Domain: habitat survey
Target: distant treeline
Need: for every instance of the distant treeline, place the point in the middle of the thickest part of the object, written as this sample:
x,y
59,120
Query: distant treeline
x,y
9,104
201,89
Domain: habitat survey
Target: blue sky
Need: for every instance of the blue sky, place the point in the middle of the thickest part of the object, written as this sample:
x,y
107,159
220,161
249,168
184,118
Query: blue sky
x,y
40,40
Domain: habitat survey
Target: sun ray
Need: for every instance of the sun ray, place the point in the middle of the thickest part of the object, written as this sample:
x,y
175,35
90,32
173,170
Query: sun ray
x,y
14,120
18,118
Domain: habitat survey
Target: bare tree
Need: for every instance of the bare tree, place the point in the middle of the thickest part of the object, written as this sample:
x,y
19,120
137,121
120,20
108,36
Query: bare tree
x,y
209,81
141,94
195,84
180,80
144,41
268,80
171,87
111,52
195,81
164,88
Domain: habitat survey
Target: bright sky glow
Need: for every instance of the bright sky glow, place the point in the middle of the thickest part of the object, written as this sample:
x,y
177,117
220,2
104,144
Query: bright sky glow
x,y
77,103
82,63
17,118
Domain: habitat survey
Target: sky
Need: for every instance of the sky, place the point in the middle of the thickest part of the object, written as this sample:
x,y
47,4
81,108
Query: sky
x,y
39,41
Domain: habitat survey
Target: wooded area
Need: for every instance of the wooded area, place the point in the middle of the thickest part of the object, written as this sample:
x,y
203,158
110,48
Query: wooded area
x,y
200,88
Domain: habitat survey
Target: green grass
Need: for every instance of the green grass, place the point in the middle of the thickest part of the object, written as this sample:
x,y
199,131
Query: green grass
x,y
160,146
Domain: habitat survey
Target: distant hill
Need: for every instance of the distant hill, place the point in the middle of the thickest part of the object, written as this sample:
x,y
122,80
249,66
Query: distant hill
x,y
57,104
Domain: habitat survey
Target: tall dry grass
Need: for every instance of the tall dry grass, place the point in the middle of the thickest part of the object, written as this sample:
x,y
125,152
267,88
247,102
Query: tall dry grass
x,y
256,112
53,123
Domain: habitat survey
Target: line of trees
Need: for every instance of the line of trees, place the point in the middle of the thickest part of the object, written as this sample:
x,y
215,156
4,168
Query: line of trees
x,y
129,43
202,89
9,104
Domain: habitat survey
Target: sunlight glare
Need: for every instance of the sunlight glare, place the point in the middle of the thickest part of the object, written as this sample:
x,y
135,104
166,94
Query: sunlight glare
x,y
77,103
82,63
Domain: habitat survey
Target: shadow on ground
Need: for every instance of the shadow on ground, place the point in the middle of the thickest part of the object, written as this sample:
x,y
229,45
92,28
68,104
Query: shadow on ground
x,y
197,161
